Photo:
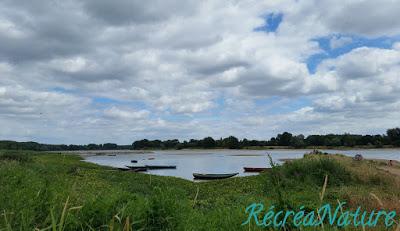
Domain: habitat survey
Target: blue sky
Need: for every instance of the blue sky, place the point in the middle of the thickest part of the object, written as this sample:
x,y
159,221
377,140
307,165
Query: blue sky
x,y
272,22
357,41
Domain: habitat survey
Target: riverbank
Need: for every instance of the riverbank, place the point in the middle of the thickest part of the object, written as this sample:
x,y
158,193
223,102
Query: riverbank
x,y
40,190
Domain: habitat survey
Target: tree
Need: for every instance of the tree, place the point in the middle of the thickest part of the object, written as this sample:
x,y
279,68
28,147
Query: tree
x,y
93,146
333,141
110,146
349,140
140,144
394,136
297,141
171,143
231,142
284,139
315,140
208,142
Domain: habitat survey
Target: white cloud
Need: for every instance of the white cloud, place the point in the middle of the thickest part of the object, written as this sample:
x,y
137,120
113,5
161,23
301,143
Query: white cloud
x,y
19,101
10,30
368,84
118,113
198,68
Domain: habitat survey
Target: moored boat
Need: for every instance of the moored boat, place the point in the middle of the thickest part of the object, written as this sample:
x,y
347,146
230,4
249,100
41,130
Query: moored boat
x,y
251,169
138,168
153,167
201,176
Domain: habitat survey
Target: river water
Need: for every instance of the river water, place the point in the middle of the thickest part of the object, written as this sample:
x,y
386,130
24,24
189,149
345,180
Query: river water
x,y
219,161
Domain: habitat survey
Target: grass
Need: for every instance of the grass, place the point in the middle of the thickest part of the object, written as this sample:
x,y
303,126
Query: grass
x,y
17,156
43,191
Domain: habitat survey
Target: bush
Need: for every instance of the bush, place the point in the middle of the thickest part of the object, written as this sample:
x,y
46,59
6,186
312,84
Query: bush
x,y
21,157
313,171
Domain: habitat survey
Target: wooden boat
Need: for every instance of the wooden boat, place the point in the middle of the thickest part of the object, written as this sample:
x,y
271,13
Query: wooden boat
x,y
251,169
132,169
213,176
153,167
134,161
138,168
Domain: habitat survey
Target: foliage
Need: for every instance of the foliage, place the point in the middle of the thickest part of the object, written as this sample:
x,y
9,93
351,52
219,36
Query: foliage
x,y
13,145
313,170
285,139
394,135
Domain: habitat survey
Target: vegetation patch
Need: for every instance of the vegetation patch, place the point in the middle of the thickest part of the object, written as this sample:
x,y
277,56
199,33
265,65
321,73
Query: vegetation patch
x,y
15,156
60,192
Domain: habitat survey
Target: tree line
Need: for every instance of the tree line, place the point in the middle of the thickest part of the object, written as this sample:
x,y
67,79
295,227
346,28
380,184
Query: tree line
x,y
13,145
285,139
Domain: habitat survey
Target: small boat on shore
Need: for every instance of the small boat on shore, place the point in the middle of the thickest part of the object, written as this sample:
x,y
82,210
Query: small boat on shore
x,y
134,161
251,169
153,167
137,168
201,176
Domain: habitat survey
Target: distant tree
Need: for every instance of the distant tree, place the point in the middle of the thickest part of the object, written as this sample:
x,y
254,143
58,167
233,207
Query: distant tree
x,y
110,146
231,142
208,142
284,139
168,144
297,141
348,140
272,142
333,141
367,140
141,144
394,136
244,143
193,143
92,146
315,140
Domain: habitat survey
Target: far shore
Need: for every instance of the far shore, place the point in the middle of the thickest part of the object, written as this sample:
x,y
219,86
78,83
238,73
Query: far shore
x,y
85,153
265,148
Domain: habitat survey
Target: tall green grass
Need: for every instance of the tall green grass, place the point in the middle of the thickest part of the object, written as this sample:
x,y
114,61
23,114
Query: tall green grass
x,y
18,156
59,192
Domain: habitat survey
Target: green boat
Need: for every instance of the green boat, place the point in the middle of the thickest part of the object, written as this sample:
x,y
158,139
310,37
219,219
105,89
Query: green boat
x,y
137,168
201,176
153,167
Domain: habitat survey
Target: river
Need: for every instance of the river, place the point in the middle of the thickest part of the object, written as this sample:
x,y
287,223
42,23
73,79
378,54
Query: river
x,y
219,161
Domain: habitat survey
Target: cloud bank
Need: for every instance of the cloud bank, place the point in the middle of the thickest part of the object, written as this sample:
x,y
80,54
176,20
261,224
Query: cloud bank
x,y
101,71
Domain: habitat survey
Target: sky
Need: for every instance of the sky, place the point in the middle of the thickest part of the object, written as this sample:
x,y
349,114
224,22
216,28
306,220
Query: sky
x,y
99,71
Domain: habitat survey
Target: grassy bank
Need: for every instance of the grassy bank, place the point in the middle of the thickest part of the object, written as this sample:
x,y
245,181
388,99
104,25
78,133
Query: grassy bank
x,y
60,192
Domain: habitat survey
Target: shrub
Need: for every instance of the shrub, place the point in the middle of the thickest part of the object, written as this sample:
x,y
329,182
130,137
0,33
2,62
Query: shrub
x,y
313,170
21,157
